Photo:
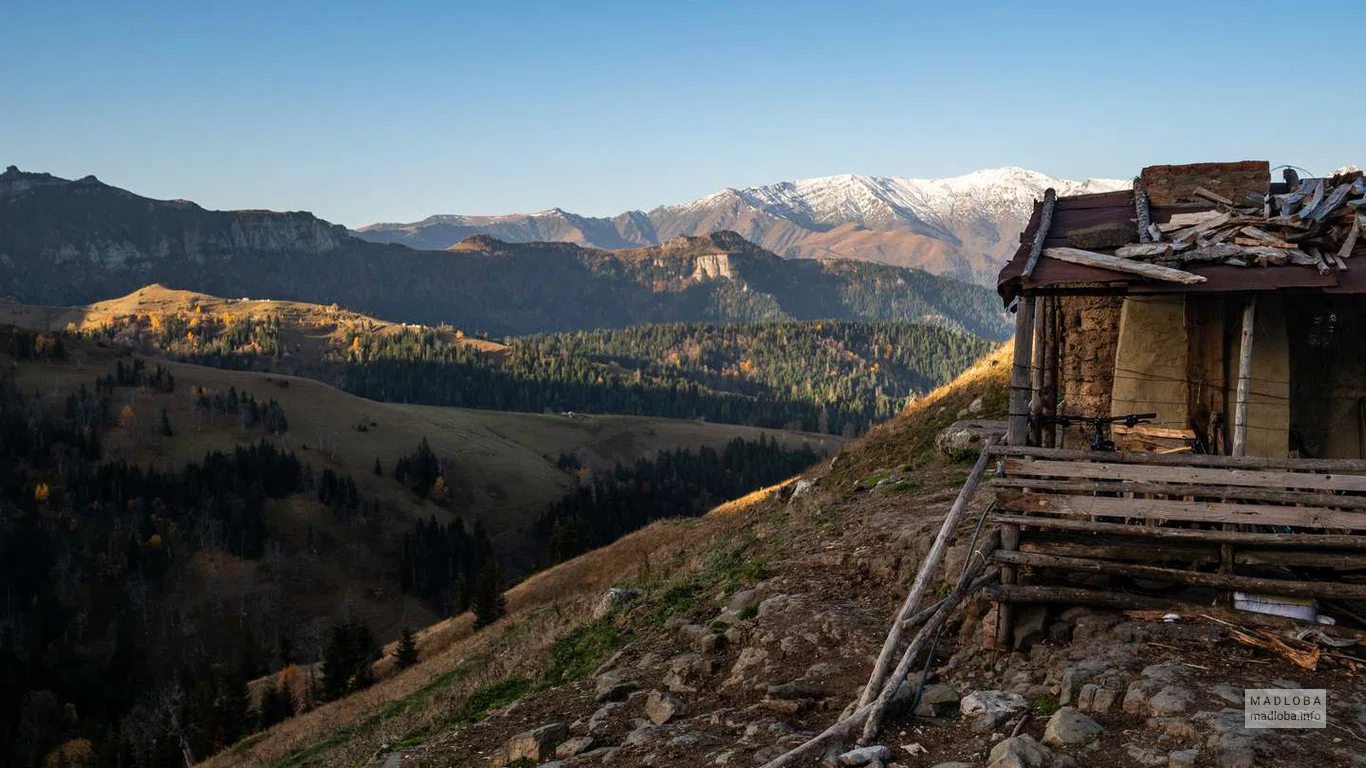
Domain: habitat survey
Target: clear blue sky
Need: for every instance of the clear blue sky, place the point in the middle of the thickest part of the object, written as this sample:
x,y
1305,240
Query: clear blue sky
x,y
393,111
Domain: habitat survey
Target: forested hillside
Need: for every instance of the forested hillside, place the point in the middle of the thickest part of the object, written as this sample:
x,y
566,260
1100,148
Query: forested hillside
x,y
821,376
142,597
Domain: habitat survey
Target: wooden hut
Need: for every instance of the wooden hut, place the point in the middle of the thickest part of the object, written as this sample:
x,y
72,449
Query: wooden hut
x,y
1231,307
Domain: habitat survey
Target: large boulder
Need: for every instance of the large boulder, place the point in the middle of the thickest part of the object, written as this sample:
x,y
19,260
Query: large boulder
x,y
969,435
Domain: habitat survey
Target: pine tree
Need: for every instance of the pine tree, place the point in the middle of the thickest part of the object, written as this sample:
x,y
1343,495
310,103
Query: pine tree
x,y
488,604
406,655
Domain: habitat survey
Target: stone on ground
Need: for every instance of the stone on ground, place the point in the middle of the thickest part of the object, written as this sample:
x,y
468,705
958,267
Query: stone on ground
x,y
1068,727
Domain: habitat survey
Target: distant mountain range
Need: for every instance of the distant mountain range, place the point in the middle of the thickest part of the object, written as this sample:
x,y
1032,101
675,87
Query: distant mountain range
x,y
76,242
964,227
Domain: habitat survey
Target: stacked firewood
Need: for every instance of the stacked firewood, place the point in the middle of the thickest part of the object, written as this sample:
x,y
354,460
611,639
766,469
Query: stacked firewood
x,y
1317,224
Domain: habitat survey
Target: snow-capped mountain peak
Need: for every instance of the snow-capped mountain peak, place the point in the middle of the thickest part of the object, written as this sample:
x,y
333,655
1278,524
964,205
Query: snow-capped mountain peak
x,y
964,226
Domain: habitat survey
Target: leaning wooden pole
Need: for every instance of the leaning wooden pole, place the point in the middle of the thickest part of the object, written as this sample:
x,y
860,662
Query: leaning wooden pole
x,y
1240,407
924,576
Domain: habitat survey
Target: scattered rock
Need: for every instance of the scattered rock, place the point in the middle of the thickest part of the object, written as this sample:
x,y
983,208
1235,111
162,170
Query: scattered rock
x,y
937,700
575,746
797,689
1068,727
1148,757
614,597
804,485
1020,752
536,745
1171,700
662,706
968,435
866,755
710,643
1184,758
614,685
1230,694
989,709
1095,698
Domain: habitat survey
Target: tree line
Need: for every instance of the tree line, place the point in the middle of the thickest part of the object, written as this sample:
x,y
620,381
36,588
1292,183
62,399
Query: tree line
x,y
834,377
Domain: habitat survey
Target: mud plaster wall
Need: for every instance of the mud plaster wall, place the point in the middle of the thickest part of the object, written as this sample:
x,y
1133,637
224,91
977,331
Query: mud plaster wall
x,y
1086,372
1151,360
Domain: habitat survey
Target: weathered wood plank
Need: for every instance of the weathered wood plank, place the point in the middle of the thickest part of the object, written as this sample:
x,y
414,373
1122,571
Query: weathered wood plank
x,y
1330,540
1187,511
1145,251
1181,490
1184,475
1191,578
1187,460
1116,264
1099,599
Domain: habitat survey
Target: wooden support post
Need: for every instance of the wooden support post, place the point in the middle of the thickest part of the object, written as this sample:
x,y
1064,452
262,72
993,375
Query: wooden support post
x,y
1036,371
1244,378
1050,369
1240,409
1018,431
1005,612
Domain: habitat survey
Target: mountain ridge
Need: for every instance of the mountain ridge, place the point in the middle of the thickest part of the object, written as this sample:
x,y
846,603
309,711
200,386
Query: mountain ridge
x,y
963,227
77,242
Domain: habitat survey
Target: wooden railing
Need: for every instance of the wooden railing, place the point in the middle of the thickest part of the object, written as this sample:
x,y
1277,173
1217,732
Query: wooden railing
x,y
1289,527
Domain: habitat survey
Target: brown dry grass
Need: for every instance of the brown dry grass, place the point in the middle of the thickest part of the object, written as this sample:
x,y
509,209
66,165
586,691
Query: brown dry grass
x,y
556,601
459,660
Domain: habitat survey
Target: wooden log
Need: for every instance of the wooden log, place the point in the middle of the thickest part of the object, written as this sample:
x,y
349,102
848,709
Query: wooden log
x,y
962,589
925,613
1247,478
1240,407
1189,234
1142,215
924,575
1122,601
1187,511
1020,378
1357,466
1116,264
1114,549
1180,221
1329,540
1350,241
1190,578
1182,491
1145,251
1050,201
